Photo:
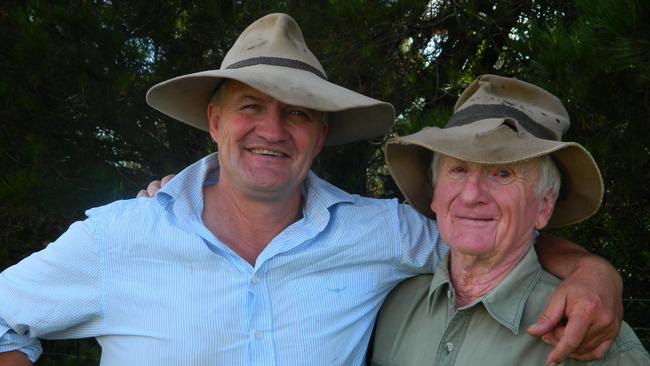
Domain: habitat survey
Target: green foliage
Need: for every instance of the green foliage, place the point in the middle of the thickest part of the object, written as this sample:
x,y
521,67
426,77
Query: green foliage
x,y
599,67
76,131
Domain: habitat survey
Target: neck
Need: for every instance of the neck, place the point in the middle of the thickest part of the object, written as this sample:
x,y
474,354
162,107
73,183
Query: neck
x,y
473,277
247,225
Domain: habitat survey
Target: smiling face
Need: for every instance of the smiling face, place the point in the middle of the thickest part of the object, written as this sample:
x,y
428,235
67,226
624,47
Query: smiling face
x,y
489,211
265,147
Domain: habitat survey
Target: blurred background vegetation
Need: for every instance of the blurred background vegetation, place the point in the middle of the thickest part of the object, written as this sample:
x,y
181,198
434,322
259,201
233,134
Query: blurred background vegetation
x,y
75,131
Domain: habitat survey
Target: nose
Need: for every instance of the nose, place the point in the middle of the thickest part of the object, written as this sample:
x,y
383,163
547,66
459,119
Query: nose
x,y
474,190
272,126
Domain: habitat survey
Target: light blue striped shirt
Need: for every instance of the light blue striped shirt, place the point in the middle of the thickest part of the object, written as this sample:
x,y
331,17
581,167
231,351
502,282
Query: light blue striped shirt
x,y
155,287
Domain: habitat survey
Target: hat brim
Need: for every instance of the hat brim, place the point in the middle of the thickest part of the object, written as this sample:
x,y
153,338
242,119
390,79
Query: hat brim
x,y
409,158
351,116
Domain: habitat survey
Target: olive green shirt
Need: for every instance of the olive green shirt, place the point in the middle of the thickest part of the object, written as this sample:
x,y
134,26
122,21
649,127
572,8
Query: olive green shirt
x,y
419,325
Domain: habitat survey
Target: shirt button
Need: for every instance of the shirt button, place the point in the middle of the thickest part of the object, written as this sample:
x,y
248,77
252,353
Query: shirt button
x,y
255,280
450,347
449,294
258,335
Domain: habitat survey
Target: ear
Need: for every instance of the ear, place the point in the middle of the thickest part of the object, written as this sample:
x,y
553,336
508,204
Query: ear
x,y
214,112
545,211
432,206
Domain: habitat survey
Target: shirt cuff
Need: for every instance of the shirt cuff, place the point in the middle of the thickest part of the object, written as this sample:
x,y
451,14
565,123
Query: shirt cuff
x,y
12,341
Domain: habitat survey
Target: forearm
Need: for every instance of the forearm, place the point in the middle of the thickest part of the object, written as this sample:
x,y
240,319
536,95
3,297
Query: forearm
x,y
562,258
15,347
14,358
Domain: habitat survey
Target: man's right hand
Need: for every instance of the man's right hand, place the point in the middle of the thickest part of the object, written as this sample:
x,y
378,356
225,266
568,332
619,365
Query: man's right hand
x,y
14,358
153,187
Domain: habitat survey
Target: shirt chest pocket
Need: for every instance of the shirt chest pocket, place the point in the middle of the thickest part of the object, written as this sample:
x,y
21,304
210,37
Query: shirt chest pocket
x,y
340,290
335,312
349,284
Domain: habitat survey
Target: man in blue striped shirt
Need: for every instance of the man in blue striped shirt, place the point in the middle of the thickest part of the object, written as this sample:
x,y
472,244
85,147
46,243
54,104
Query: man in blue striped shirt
x,y
247,257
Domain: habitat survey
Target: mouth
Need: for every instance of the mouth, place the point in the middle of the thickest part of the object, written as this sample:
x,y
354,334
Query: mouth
x,y
477,220
267,152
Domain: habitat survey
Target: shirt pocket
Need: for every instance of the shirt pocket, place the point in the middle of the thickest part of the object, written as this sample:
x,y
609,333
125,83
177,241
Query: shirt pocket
x,y
321,299
336,313
350,287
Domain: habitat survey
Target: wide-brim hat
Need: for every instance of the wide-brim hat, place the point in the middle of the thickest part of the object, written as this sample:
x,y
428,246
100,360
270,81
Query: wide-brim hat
x,y
272,57
499,120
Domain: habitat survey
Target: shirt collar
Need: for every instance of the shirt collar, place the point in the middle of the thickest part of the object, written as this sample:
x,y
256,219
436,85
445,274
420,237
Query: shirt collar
x,y
184,193
506,302
319,196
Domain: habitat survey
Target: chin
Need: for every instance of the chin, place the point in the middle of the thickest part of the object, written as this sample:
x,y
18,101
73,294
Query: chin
x,y
475,245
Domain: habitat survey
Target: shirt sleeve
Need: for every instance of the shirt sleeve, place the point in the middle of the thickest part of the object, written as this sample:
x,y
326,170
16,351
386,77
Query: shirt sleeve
x,y
55,293
12,341
421,248
627,350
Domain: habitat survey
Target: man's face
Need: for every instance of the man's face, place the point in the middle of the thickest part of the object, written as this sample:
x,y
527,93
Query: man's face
x,y
488,211
265,147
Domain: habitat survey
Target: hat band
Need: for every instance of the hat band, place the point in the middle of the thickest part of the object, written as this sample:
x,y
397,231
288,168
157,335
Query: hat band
x,y
479,112
277,61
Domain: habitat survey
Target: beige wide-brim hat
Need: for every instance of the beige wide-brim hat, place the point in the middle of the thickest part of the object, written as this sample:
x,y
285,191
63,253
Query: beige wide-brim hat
x,y
500,120
272,57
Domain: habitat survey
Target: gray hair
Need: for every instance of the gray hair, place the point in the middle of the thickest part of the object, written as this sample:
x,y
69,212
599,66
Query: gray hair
x,y
548,180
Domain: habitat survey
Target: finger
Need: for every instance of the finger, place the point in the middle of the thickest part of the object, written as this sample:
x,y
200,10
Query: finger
x,y
591,344
595,354
142,194
553,337
574,333
153,187
166,179
550,318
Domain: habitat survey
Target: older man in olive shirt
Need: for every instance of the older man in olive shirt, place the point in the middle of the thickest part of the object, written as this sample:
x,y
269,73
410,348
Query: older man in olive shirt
x,y
496,172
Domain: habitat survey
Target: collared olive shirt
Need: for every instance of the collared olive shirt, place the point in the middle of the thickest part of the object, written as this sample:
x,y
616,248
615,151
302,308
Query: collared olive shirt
x,y
419,325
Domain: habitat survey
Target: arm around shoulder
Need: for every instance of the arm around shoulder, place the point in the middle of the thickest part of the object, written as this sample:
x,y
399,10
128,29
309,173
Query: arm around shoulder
x,y
590,297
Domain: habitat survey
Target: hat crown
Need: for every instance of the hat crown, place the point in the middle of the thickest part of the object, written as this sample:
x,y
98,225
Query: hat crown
x,y
273,39
490,96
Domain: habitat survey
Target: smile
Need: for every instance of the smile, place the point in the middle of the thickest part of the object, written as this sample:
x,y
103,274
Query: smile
x,y
474,219
266,152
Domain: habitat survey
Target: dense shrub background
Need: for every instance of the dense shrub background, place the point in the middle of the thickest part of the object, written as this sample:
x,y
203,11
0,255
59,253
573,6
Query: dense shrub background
x,y
75,131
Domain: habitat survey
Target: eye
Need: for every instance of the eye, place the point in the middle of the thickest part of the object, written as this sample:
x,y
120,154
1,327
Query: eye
x,y
299,114
457,172
502,175
251,108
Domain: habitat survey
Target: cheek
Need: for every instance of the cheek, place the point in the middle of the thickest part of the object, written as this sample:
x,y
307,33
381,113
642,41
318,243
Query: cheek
x,y
223,135
441,206
518,209
444,197
307,140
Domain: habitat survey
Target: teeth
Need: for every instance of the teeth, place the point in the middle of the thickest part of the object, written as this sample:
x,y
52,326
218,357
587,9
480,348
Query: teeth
x,y
266,152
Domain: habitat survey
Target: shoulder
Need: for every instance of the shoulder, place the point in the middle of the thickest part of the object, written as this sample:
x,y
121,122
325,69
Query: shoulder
x,y
413,287
404,299
626,350
405,306
538,298
320,194
124,215
121,207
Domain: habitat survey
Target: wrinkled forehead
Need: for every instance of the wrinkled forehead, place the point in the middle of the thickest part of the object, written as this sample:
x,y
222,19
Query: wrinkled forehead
x,y
523,165
230,88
